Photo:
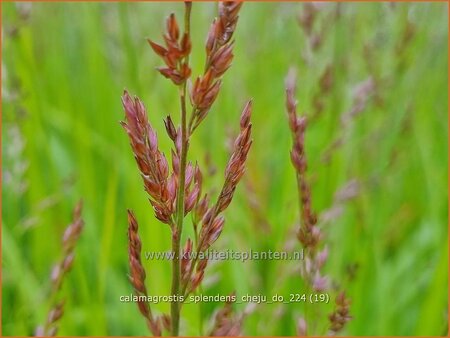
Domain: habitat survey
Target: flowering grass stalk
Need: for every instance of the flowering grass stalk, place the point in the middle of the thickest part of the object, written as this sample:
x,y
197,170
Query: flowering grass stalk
x,y
177,192
309,233
59,271
137,274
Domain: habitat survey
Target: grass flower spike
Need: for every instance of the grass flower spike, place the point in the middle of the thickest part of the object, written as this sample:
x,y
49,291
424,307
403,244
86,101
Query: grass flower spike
x,y
59,271
176,190
309,233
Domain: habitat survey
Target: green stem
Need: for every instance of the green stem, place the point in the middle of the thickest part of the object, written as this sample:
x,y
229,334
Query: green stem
x,y
177,231
200,312
184,291
305,278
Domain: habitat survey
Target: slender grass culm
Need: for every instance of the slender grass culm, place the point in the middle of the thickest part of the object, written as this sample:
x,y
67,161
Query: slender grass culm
x,y
309,232
177,192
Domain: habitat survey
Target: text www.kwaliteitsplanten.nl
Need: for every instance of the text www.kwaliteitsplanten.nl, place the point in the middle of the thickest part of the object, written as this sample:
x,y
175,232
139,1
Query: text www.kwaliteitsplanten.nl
x,y
228,255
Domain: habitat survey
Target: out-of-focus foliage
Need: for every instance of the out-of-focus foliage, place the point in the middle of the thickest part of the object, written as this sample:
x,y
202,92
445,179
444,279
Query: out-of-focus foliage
x,y
383,124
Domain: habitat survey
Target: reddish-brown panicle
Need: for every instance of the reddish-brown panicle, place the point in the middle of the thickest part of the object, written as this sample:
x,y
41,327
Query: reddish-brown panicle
x,y
151,161
174,53
219,55
340,316
137,273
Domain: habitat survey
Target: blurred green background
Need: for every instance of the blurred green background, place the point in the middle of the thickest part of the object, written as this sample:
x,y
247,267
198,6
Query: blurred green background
x,y
383,127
